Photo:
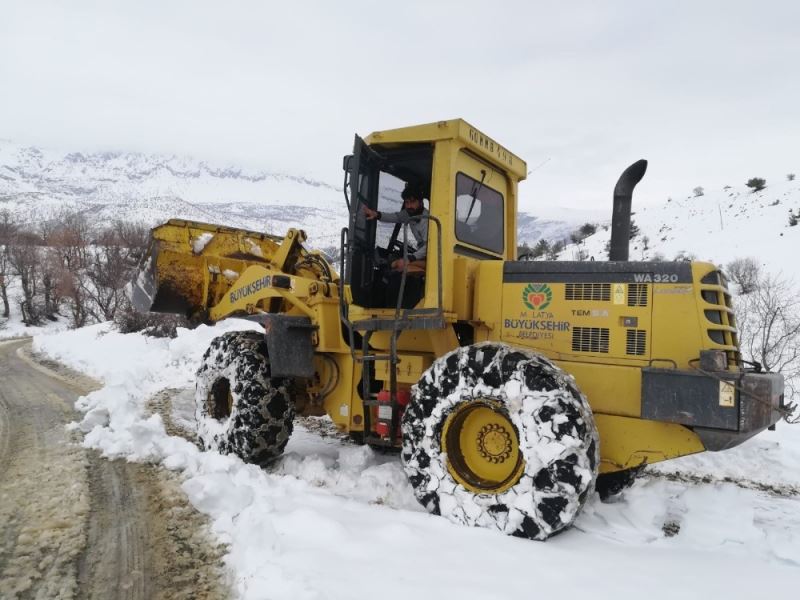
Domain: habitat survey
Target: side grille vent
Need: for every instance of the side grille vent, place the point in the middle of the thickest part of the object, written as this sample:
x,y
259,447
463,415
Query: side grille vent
x,y
588,291
637,294
720,322
590,339
636,342
713,278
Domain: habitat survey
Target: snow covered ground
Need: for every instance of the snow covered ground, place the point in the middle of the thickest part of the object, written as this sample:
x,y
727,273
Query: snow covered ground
x,y
13,327
335,520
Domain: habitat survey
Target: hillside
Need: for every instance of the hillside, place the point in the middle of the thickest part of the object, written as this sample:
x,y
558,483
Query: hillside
x,y
718,227
38,184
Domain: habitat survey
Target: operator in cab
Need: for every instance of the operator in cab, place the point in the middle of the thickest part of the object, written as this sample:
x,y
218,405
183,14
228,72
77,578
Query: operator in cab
x,y
415,280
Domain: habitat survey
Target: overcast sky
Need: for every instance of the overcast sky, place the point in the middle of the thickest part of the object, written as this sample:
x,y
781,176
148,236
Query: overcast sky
x,y
708,92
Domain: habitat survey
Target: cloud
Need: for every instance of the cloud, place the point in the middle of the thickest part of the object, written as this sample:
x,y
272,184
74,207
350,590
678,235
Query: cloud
x,y
703,90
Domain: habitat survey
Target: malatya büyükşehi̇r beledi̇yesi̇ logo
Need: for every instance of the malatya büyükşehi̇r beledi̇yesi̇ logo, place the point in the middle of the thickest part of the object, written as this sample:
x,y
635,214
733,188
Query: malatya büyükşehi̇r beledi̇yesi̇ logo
x,y
537,296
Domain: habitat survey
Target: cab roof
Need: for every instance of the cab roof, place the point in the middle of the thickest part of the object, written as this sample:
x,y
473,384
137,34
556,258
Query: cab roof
x,y
455,129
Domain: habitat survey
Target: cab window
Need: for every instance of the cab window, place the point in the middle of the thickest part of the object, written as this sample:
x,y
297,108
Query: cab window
x,y
479,214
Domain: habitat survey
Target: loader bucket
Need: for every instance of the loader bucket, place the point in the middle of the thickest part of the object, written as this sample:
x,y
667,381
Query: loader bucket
x,y
168,282
185,267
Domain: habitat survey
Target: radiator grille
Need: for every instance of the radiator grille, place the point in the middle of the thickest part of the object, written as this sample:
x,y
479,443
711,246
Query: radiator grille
x,y
588,291
720,322
637,294
590,339
636,342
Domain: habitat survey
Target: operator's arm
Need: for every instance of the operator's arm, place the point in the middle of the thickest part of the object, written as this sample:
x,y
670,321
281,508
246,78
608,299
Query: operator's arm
x,y
395,217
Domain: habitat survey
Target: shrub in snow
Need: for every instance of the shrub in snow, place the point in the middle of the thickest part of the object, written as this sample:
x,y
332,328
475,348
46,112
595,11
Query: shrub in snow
x,y
555,250
790,177
158,325
541,248
634,230
698,191
756,183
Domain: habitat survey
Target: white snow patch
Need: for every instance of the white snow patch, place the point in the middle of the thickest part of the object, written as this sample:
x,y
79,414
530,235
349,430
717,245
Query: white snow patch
x,y
201,241
254,248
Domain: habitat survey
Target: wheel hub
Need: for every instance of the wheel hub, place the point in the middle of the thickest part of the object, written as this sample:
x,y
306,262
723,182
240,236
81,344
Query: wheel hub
x,y
494,443
482,447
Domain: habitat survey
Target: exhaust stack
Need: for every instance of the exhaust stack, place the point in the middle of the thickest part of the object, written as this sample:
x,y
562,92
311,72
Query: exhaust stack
x,y
621,215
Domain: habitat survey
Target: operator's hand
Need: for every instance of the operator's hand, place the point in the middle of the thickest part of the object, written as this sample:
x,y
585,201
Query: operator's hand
x,y
399,264
371,214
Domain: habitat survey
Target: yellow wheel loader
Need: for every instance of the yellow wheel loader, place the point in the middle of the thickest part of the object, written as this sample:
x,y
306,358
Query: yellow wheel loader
x,y
511,388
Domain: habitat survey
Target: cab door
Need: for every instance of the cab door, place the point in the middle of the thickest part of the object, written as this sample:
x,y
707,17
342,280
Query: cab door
x,y
363,169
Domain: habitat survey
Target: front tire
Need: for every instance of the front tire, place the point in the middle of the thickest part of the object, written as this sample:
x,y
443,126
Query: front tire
x,y
501,438
240,408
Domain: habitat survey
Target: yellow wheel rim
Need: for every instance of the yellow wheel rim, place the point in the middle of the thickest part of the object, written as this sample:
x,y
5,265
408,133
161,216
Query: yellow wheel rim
x,y
482,447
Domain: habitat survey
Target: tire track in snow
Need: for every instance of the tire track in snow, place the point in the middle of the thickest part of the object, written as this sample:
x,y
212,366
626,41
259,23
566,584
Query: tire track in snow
x,y
73,524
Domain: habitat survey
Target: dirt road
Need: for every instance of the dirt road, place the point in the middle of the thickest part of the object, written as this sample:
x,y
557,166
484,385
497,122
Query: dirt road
x,y
76,525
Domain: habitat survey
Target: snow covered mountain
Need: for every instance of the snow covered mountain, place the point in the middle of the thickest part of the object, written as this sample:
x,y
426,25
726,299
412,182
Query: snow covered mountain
x,y
37,184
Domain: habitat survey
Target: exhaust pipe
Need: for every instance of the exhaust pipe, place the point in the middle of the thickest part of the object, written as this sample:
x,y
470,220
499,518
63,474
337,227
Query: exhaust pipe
x,y
621,215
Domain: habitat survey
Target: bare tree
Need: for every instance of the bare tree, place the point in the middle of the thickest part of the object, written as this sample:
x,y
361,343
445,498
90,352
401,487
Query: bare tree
x,y
133,238
745,273
71,240
110,267
23,254
8,228
50,275
73,290
5,277
769,327
107,274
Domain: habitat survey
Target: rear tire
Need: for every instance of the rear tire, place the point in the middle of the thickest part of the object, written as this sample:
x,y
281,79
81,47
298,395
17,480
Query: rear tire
x,y
501,438
240,409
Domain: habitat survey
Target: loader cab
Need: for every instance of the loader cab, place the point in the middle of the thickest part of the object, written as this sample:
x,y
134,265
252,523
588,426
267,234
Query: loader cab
x,y
376,177
470,183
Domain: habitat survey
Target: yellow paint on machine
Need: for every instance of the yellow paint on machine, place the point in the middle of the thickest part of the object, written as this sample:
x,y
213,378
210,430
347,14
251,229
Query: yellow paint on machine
x,y
627,442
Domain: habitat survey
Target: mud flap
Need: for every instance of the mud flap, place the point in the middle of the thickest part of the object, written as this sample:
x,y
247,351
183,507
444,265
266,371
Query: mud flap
x,y
289,345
